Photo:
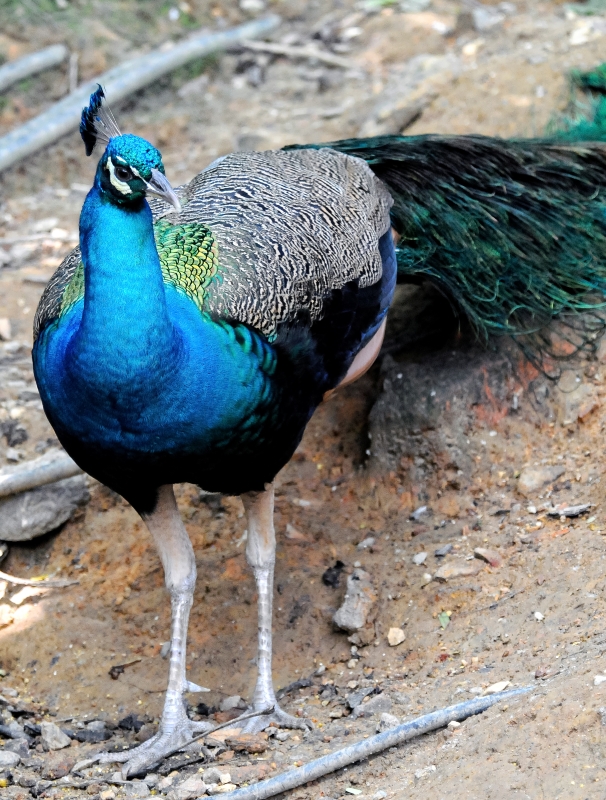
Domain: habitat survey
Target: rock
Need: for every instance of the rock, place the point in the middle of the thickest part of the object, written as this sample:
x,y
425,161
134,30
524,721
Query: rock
x,y
134,789
422,773
443,551
216,775
453,725
386,722
249,774
355,698
365,543
53,737
247,742
18,746
569,511
225,788
602,715
229,703
395,636
30,514
538,616
599,679
576,399
378,704
497,687
490,556
457,569
419,558
5,329
358,602
58,765
190,788
534,478
8,759
418,513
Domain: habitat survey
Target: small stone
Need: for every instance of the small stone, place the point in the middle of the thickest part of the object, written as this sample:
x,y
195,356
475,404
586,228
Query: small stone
x,y
378,704
534,478
387,722
53,737
225,788
419,558
365,543
490,556
538,616
229,703
212,775
395,636
5,329
19,746
380,795
599,679
359,599
569,511
352,663
248,742
355,698
133,789
59,765
190,788
422,773
443,551
602,715
8,759
13,455
454,569
107,794
497,687
453,725
416,515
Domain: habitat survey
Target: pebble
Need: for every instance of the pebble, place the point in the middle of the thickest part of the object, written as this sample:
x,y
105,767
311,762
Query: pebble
x,y
490,556
416,515
602,714
534,478
229,703
455,569
395,636
378,704
107,794
359,599
380,795
247,742
53,737
225,788
422,773
419,558
443,551
599,679
190,788
453,724
569,511
5,329
8,759
355,698
497,687
136,789
538,616
365,543
387,722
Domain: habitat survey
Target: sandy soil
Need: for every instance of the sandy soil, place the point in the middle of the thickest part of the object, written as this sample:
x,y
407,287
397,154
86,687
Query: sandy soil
x,y
343,486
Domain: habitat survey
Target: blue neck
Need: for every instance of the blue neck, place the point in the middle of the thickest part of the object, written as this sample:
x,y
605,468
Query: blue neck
x,y
125,324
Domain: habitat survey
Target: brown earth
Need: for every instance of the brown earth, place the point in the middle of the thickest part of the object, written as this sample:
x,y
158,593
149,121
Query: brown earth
x,y
458,451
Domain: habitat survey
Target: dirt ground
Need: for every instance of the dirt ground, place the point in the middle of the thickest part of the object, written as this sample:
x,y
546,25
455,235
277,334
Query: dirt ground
x,y
437,423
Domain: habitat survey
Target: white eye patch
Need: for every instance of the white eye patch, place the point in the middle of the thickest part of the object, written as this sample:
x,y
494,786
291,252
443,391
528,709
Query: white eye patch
x,y
122,187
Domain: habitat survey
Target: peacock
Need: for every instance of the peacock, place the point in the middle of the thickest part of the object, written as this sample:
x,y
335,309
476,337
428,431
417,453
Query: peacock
x,y
194,331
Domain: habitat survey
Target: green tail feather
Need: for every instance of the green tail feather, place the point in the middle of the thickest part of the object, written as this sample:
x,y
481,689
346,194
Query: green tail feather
x,y
514,231
585,117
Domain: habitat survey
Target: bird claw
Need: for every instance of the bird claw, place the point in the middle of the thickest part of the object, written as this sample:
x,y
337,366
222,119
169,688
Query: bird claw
x,y
139,759
278,718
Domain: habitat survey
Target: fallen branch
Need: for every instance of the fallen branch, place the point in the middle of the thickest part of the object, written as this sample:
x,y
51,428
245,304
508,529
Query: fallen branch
x,y
49,468
21,68
120,82
42,582
308,51
368,747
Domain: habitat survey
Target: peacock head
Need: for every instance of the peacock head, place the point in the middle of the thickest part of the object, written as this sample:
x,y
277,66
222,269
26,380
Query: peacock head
x,y
130,168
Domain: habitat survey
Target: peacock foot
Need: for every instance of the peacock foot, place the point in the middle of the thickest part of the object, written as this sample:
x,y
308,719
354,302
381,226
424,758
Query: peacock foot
x,y
278,717
167,741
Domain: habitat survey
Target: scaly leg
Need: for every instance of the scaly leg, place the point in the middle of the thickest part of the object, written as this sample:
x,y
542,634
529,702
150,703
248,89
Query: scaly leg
x,y
177,555
261,555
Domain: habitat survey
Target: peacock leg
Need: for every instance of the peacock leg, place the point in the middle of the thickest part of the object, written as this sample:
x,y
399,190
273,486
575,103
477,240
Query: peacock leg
x,y
261,555
177,555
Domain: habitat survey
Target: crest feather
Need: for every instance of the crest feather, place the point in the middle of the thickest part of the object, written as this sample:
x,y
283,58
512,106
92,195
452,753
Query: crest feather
x,y
97,121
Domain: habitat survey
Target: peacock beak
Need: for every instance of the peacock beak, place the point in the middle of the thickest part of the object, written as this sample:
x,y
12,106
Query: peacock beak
x,y
159,186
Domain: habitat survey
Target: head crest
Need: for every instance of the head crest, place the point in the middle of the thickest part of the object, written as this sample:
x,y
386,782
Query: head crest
x,y
97,122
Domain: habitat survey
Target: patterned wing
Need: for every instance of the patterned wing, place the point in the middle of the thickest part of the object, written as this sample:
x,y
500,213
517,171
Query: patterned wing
x,y
261,238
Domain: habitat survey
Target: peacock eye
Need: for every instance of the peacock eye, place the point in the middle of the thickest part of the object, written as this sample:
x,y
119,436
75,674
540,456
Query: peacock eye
x,y
123,174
